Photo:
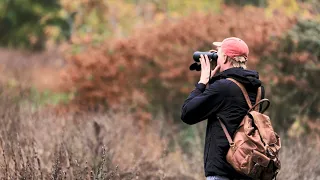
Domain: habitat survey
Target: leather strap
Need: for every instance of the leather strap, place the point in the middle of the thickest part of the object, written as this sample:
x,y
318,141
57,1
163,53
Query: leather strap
x,y
244,91
259,103
226,132
257,108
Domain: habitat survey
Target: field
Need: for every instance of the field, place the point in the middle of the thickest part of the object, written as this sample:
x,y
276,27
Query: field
x,y
46,142
93,89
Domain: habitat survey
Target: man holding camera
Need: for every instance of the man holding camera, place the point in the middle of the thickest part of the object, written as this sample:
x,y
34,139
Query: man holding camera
x,y
216,96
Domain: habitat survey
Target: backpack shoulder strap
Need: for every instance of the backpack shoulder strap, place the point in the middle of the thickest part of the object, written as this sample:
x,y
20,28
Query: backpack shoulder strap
x,y
231,143
257,108
244,91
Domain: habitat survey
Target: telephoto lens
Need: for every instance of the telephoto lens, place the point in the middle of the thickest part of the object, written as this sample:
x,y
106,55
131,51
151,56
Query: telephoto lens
x,y
213,56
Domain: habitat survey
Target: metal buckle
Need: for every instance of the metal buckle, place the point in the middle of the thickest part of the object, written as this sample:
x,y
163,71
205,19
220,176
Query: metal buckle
x,y
232,145
271,152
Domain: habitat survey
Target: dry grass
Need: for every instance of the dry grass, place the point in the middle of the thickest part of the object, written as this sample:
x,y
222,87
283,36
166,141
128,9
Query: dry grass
x,y
109,145
29,68
300,159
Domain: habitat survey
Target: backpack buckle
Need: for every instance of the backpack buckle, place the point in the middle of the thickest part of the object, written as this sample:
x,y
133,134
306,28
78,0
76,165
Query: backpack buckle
x,y
270,151
232,145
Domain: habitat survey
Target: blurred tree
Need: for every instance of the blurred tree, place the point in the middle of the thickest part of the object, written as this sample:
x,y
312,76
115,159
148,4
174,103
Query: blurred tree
x,y
25,23
98,19
294,78
289,7
152,64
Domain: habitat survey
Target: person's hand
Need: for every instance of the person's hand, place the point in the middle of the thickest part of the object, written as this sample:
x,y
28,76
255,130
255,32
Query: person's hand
x,y
206,72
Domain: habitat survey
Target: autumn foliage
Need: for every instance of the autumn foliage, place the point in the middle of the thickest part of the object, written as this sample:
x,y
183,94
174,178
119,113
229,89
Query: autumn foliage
x,y
293,85
152,65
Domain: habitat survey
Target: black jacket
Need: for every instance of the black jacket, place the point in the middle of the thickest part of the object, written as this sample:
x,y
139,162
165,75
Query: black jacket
x,y
224,99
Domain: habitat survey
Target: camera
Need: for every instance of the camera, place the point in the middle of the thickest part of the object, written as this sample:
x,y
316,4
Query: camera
x,y
213,56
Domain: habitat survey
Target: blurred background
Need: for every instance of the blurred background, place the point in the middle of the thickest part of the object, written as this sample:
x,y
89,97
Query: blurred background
x,y
93,89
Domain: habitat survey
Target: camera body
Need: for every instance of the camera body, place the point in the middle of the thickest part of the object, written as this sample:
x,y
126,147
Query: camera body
x,y
213,56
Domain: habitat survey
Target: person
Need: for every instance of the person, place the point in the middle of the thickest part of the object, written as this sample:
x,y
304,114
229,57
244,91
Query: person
x,y
215,96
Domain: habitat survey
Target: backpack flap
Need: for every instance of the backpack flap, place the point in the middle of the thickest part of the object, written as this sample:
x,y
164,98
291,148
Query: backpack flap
x,y
265,128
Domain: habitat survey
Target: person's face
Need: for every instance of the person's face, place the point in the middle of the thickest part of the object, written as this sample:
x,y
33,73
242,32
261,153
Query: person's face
x,y
221,58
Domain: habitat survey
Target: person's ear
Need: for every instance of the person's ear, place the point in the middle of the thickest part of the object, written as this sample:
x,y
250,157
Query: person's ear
x,y
225,58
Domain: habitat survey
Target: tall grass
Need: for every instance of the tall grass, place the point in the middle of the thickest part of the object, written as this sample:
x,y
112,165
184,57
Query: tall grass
x,y
110,145
44,145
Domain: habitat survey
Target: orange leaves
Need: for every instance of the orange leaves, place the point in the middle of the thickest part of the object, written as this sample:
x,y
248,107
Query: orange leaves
x,y
301,57
155,60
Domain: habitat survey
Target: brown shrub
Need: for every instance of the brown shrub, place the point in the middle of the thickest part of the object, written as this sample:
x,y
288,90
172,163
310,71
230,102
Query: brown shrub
x,y
153,62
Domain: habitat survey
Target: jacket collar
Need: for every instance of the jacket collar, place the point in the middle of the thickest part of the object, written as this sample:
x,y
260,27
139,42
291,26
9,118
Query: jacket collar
x,y
248,78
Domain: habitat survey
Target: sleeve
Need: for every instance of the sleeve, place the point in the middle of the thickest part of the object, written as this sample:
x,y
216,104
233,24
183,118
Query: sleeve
x,y
201,103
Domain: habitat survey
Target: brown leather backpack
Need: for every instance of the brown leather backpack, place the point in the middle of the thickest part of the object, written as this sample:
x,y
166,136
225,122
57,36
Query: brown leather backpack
x,y
255,146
